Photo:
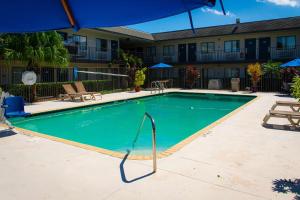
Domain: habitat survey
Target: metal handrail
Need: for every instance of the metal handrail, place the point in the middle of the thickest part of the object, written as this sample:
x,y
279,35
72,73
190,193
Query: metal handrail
x,y
153,138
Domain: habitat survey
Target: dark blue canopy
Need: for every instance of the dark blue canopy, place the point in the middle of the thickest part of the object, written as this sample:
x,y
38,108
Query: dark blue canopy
x,y
160,65
42,15
293,63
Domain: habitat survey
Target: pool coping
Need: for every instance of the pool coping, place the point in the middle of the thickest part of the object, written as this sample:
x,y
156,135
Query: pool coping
x,y
120,155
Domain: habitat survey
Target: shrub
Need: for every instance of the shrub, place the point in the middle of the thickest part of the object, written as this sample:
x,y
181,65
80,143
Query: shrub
x,y
255,71
296,88
140,77
192,74
54,89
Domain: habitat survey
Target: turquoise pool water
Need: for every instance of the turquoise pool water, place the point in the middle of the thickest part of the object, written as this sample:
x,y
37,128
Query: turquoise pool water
x,y
114,125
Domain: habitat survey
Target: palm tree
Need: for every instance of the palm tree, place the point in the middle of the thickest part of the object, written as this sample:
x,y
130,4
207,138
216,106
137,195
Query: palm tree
x,y
34,50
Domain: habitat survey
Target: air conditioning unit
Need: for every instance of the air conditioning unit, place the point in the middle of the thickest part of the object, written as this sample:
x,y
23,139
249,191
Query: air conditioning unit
x,y
214,84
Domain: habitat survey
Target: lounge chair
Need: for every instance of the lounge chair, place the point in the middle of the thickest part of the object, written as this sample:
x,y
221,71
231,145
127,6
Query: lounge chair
x,y
72,93
81,89
294,105
291,116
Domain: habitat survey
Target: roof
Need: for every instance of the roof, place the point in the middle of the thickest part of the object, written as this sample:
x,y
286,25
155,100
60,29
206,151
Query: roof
x,y
249,27
129,32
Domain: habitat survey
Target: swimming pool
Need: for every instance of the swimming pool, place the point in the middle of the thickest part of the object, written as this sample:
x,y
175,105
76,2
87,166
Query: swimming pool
x,y
113,126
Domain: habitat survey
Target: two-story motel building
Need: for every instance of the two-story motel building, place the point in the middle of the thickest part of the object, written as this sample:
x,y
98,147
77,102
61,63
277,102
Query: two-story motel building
x,y
224,51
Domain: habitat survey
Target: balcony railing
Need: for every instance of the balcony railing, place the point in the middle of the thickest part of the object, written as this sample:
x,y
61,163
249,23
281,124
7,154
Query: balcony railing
x,y
238,56
90,54
285,53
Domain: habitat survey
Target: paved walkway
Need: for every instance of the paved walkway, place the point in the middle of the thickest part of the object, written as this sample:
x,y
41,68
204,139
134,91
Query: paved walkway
x,y
238,159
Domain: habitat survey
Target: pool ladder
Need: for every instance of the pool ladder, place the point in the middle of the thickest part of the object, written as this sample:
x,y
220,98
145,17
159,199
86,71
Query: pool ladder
x,y
153,138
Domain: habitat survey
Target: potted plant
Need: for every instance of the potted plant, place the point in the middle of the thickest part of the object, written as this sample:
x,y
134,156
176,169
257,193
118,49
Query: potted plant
x,y
255,71
192,74
139,79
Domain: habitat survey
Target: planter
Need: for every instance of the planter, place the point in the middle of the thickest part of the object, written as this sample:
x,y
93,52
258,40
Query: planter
x,y
137,88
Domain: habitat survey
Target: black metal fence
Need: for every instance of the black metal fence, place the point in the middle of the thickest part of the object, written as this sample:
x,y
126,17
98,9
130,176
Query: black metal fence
x,y
268,83
50,81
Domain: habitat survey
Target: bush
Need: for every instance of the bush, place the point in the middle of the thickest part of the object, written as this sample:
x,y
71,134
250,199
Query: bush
x,y
140,77
192,74
296,88
255,71
54,89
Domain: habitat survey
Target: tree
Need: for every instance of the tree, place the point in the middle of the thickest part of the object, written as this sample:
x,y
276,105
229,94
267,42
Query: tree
x,y
34,50
272,68
132,63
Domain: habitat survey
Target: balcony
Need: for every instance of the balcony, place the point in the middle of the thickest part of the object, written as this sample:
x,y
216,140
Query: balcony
x,y
243,55
285,53
90,54
220,56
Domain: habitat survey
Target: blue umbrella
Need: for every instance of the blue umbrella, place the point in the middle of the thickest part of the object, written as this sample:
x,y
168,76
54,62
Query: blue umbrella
x,y
293,63
160,65
42,15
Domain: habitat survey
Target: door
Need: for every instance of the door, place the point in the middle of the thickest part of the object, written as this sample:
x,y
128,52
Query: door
x,y
250,46
264,48
182,53
192,49
114,49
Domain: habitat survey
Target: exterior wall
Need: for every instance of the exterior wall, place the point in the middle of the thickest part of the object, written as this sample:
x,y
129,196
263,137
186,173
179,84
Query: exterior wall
x,y
91,53
219,45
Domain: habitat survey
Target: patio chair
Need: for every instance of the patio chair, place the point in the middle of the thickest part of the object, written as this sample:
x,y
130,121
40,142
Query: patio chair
x,y
294,105
290,116
81,89
71,93
14,107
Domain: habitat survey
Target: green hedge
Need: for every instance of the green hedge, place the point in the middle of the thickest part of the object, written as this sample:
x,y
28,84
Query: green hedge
x,y
54,89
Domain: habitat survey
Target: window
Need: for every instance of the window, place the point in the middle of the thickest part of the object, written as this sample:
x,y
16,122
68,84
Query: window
x,y
80,41
232,46
286,42
168,50
47,74
101,45
207,47
62,74
232,72
151,51
17,74
83,76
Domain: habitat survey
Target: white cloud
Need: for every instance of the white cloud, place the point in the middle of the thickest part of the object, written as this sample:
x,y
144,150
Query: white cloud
x,y
217,12
291,3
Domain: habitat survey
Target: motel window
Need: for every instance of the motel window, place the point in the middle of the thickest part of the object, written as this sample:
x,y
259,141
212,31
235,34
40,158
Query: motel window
x,y
207,47
62,74
47,74
80,41
83,76
151,51
169,50
232,72
286,42
17,74
101,45
232,46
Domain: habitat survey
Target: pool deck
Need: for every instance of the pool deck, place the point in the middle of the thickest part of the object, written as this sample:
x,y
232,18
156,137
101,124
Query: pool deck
x,y
237,159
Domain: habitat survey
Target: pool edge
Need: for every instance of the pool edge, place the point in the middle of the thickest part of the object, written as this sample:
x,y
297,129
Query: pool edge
x,y
116,154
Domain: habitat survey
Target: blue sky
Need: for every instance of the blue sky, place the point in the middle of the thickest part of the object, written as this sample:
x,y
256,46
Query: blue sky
x,y
246,10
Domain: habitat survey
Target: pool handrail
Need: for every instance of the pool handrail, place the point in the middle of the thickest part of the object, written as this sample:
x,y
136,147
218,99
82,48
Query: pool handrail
x,y
153,139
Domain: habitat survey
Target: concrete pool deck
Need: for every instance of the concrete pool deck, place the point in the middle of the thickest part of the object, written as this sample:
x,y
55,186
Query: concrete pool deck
x,y
237,159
